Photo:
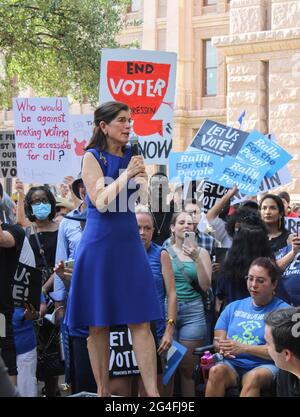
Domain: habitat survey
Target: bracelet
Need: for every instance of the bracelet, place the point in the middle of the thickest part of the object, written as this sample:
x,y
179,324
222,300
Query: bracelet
x,y
171,322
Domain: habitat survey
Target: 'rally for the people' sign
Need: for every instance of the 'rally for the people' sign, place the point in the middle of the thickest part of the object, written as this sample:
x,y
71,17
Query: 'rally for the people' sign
x,y
228,156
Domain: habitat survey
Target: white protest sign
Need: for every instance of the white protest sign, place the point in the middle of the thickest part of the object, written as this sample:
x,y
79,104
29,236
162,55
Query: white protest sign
x,y
145,81
291,224
43,147
81,129
8,164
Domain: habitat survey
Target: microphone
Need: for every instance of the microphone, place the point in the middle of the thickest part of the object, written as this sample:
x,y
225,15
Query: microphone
x,y
134,142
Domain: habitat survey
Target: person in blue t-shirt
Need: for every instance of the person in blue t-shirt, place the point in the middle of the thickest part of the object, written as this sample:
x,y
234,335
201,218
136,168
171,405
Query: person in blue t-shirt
x,y
239,336
162,270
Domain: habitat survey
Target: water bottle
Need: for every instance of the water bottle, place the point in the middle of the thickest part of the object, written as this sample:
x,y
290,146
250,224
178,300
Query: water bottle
x,y
207,361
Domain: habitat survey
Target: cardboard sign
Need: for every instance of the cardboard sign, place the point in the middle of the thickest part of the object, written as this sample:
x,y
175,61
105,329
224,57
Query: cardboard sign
x,y
219,139
27,286
263,153
145,81
122,361
8,162
81,130
43,147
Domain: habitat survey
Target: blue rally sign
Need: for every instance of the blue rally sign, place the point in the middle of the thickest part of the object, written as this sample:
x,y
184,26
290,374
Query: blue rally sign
x,y
219,139
247,177
261,152
185,166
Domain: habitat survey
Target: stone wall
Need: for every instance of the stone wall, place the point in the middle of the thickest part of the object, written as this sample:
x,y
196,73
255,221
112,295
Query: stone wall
x,y
262,55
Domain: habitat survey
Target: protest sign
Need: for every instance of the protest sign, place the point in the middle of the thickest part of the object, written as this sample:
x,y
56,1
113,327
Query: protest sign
x,y
208,193
43,147
282,177
204,192
291,224
184,166
263,153
8,163
81,130
174,357
27,286
218,139
122,360
145,81
245,176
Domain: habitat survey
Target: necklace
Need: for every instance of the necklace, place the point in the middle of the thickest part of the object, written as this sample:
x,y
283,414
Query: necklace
x,y
161,224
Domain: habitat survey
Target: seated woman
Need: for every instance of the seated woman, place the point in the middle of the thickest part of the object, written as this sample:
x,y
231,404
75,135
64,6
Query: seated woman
x,y
249,242
239,336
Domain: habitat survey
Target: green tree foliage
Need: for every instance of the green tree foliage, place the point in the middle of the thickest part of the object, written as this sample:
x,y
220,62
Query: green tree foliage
x,y
54,46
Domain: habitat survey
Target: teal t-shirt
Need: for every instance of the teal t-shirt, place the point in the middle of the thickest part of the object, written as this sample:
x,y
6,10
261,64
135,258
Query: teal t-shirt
x,y
184,290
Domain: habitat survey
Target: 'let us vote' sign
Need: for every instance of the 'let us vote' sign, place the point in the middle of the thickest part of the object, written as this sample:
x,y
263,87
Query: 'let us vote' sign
x,y
218,139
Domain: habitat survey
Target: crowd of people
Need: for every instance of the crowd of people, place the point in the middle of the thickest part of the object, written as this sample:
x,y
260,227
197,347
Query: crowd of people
x,y
118,253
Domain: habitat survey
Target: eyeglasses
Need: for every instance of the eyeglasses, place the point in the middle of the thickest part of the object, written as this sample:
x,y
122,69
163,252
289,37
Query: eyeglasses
x,y
258,280
39,201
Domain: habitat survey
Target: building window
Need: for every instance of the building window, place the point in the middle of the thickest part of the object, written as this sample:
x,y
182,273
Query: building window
x,y
135,6
209,2
210,68
161,39
161,8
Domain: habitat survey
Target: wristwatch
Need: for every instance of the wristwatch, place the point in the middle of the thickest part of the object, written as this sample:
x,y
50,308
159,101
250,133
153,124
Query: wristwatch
x,y
171,322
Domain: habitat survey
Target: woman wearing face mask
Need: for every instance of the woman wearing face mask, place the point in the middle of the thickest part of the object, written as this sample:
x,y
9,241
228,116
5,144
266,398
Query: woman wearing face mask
x,y
39,209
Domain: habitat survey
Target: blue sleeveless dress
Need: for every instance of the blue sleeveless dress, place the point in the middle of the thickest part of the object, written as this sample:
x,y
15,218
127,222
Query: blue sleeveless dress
x,y
112,281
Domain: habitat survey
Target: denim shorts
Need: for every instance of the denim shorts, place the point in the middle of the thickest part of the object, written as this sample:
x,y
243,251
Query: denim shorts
x,y
190,321
240,372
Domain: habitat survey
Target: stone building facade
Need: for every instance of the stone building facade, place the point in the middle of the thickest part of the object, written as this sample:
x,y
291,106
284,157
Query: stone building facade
x,y
258,64
252,63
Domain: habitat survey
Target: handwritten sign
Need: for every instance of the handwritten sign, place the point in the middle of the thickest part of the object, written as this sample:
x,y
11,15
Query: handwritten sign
x,y
8,162
43,147
219,139
145,81
81,130
261,152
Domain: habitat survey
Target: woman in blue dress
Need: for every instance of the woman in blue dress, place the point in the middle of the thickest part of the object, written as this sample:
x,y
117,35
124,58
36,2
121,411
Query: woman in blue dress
x,y
112,282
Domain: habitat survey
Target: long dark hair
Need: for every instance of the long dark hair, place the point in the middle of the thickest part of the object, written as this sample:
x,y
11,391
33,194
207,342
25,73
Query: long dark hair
x,y
280,206
27,202
244,215
249,243
106,113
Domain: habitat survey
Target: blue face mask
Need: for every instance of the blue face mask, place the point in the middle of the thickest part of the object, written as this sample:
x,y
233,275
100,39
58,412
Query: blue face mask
x,y
41,211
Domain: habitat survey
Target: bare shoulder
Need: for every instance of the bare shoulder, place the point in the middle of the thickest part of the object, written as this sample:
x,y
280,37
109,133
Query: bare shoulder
x,y
90,166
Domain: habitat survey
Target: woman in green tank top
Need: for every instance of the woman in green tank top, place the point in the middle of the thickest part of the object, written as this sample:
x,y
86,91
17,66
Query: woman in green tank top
x,y
192,266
